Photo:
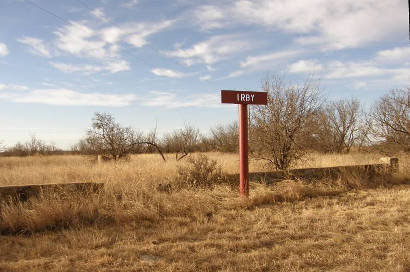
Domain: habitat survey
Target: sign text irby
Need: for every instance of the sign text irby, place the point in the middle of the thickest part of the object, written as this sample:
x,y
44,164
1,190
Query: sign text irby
x,y
244,97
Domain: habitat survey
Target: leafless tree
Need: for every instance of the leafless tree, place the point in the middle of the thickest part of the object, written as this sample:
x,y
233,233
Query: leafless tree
x,y
341,125
151,137
182,141
392,117
226,137
206,144
83,147
107,137
34,146
2,147
279,129
151,141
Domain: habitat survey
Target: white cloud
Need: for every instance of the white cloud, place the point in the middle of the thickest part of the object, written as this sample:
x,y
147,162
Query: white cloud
x,y
209,17
117,66
111,35
210,68
212,50
373,68
266,61
401,75
130,4
236,73
343,70
112,66
338,69
171,100
67,97
168,73
99,14
3,50
395,54
331,24
204,78
37,46
359,84
13,87
305,66
137,34
80,40
352,23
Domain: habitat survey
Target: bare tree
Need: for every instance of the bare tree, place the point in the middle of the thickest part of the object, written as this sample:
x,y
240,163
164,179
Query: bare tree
x,y
392,117
107,137
206,144
342,125
2,147
191,138
151,137
279,129
83,147
226,137
151,141
37,146
182,141
34,146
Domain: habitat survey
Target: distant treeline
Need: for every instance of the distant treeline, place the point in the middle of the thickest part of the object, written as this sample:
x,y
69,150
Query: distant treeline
x,y
296,120
32,147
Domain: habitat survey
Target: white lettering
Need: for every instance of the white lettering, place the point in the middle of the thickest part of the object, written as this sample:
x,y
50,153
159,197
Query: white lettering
x,y
245,97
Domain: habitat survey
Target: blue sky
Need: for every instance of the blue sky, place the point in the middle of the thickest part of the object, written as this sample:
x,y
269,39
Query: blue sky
x,y
164,62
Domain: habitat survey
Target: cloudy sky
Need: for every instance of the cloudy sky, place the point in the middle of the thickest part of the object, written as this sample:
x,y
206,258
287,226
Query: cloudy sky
x,y
164,62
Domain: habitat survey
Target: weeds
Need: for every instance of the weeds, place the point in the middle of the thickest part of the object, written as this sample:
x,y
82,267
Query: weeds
x,y
201,172
140,197
290,191
50,213
291,225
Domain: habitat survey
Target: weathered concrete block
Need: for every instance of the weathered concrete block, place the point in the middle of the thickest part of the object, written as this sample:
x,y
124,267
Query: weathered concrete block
x,y
24,192
366,171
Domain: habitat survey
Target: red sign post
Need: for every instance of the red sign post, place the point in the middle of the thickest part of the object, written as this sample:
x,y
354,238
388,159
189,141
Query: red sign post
x,y
243,98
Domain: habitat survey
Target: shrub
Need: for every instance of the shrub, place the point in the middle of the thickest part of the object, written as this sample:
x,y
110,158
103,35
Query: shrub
x,y
201,172
32,147
392,119
280,129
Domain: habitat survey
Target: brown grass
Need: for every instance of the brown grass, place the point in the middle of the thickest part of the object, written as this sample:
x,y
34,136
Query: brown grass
x,y
289,226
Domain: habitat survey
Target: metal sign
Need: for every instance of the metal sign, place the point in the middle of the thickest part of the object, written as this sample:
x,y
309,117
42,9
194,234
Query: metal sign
x,y
243,98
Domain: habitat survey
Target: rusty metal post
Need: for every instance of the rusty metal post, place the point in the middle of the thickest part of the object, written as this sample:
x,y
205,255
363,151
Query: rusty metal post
x,y
243,98
243,150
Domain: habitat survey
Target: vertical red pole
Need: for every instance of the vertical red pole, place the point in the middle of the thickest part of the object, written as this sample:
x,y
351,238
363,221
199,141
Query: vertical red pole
x,y
243,150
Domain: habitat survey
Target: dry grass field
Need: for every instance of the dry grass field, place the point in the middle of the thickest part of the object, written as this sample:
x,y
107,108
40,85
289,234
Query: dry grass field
x,y
292,225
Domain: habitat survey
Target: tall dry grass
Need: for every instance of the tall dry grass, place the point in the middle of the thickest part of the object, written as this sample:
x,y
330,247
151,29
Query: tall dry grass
x,y
290,226
132,188
150,167
365,230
